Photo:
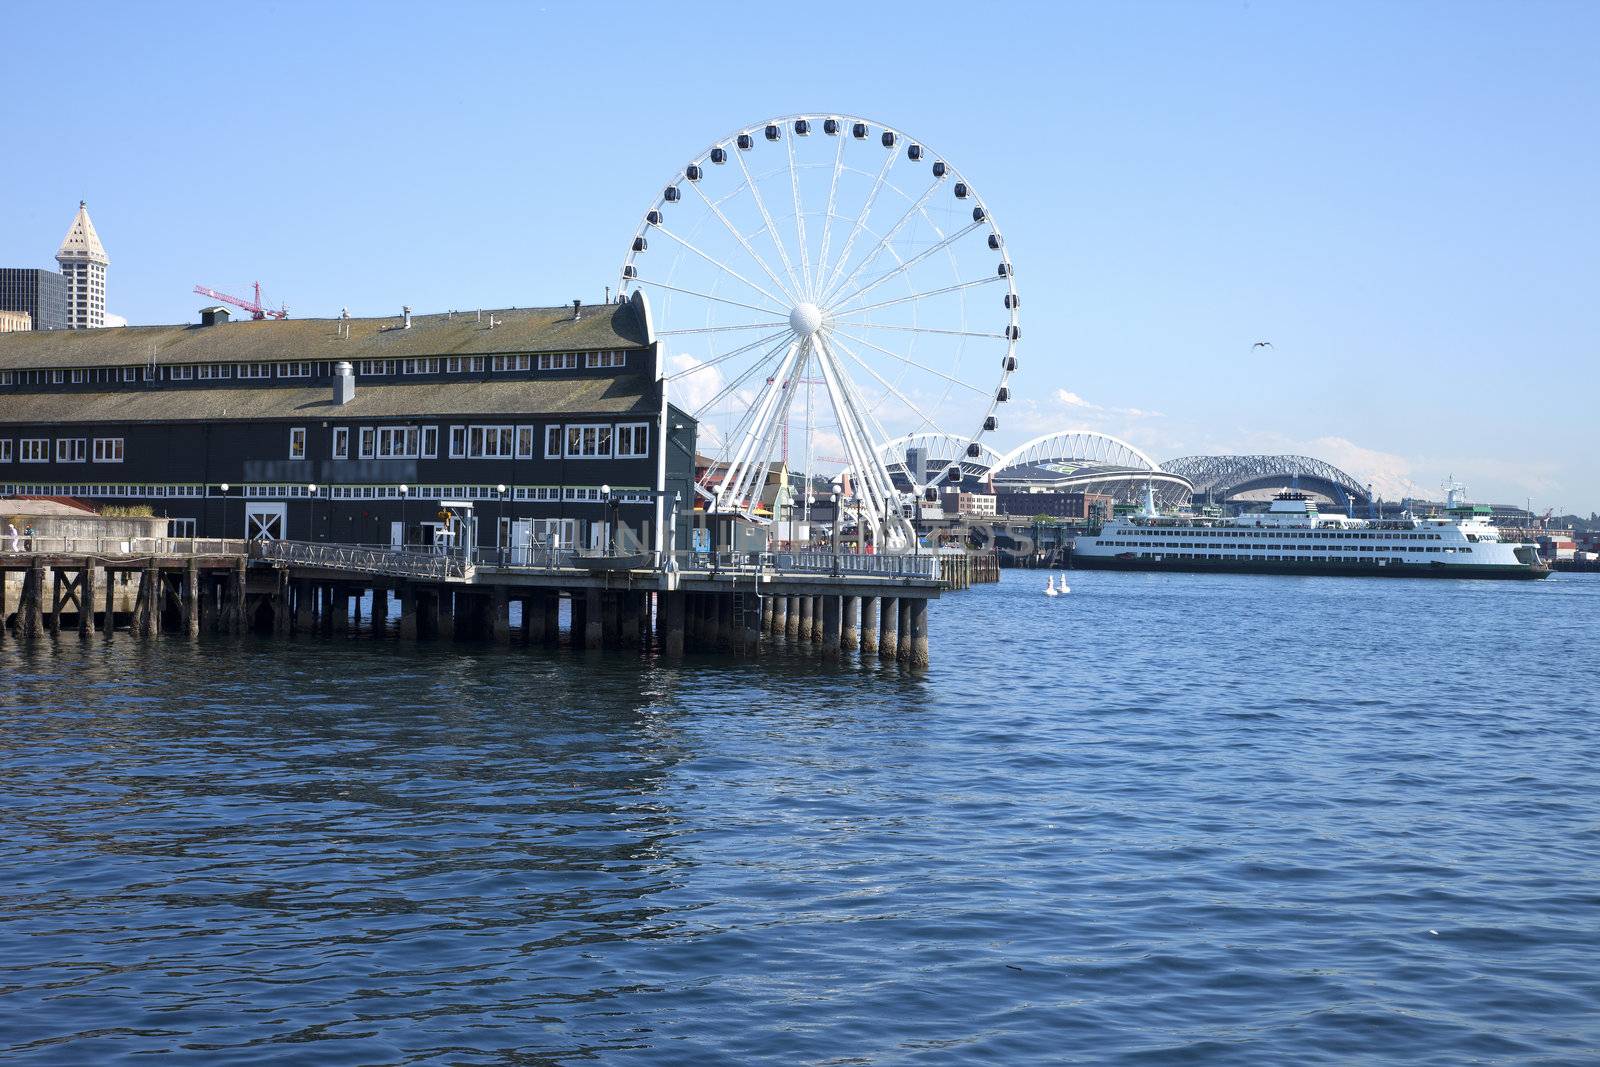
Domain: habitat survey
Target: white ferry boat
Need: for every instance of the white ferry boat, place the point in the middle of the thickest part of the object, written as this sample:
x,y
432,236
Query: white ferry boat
x,y
1292,537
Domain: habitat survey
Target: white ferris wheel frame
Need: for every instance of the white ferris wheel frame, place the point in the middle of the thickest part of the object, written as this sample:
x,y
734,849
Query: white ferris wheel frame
x,y
815,296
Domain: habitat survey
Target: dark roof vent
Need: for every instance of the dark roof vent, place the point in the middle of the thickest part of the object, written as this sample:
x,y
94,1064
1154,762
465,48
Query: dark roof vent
x,y
214,315
577,310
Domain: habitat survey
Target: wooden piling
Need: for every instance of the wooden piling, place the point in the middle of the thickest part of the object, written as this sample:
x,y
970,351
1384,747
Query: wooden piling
x,y
593,620
500,618
86,625
191,598
849,627
108,624
53,616
904,653
807,606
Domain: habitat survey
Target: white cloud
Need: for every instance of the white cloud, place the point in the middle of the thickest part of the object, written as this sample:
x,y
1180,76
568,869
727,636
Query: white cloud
x,y
115,320
694,390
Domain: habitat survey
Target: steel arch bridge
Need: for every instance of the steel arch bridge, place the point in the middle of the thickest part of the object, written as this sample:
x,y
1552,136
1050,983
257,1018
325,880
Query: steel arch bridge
x,y
1227,477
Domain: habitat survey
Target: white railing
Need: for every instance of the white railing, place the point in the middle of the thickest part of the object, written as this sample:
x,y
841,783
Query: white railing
x,y
838,564
34,544
366,559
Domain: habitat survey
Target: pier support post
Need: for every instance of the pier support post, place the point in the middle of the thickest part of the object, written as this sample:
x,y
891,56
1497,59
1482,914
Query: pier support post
x,y
633,611
85,601
593,619
53,617
533,616
672,625
807,605
304,618
752,626
848,637
236,592
611,618
727,625
780,615
918,635
4,611
380,608
449,602
889,633
500,622
904,654
408,612
30,622
108,625
816,619
768,611
339,608
552,617
869,625
191,598
830,625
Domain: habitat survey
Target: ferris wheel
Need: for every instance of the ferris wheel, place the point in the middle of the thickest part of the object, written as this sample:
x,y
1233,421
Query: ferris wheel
x,y
825,285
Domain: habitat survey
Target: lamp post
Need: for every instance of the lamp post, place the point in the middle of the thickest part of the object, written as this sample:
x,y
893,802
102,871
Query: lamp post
x,y
224,488
499,516
837,497
311,507
610,504
404,489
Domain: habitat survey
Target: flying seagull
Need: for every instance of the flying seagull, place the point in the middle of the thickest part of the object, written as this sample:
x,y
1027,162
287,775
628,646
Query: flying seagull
x,y
1262,344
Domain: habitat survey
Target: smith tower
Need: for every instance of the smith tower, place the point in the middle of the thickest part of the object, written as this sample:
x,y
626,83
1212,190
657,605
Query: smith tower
x,y
83,261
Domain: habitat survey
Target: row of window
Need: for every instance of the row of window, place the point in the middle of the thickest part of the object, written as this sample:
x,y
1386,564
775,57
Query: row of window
x,y
297,491
1287,559
183,372
628,440
67,450
1280,548
1336,535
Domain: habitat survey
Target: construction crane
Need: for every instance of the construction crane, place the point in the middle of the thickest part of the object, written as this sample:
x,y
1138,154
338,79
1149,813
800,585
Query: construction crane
x,y
252,306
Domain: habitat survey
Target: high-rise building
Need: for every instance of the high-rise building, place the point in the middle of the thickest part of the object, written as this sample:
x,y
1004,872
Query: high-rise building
x,y
40,293
84,261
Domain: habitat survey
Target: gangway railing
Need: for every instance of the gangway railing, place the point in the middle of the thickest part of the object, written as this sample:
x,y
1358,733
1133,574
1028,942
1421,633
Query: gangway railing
x,y
367,559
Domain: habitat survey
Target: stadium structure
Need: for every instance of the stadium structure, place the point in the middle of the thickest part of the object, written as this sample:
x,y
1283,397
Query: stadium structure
x,y
1240,481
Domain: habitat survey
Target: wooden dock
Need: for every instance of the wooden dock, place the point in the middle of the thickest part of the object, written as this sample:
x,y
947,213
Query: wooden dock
x,y
723,603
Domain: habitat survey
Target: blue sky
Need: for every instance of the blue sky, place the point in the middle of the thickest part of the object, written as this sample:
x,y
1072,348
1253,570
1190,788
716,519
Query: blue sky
x,y
1401,196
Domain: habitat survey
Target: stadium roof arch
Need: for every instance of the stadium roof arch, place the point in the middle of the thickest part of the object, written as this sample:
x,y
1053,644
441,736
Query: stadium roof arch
x,y
1086,461
1230,478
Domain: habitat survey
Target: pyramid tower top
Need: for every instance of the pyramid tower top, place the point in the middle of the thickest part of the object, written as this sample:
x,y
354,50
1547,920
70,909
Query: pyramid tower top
x,y
82,242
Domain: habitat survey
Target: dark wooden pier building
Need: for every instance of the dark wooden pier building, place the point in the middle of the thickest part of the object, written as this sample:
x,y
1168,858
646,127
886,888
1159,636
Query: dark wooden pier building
x,y
353,430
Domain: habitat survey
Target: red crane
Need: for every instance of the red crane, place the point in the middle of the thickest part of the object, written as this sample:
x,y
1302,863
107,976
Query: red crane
x,y
252,306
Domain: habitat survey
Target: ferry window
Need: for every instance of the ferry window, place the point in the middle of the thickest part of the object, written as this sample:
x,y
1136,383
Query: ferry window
x,y
297,443
341,442
108,450
430,442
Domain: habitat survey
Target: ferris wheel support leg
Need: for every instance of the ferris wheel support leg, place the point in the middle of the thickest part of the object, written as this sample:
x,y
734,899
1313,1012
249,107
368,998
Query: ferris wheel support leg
x,y
754,429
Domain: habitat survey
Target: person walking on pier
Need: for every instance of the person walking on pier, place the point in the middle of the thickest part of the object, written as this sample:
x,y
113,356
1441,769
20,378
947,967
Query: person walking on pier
x,y
16,538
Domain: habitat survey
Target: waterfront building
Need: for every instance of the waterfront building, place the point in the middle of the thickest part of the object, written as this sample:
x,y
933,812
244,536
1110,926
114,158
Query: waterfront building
x,y
83,262
355,430
42,294
15,321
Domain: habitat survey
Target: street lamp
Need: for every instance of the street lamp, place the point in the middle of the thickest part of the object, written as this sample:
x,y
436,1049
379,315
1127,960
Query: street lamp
x,y
404,489
499,516
311,508
610,503
838,491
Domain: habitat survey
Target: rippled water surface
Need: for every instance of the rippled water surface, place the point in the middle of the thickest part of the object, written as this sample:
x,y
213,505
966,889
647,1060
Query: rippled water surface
x,y
1163,819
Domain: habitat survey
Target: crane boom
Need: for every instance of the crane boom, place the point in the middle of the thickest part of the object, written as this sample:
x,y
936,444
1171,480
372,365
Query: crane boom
x,y
252,306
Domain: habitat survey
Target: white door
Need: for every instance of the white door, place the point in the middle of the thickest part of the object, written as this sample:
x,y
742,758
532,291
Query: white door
x,y
521,538
265,522
397,535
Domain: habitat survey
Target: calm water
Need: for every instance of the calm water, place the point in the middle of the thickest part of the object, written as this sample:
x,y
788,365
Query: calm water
x,y
1164,819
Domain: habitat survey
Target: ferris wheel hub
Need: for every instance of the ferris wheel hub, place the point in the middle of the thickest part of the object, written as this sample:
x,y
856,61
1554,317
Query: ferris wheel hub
x,y
805,320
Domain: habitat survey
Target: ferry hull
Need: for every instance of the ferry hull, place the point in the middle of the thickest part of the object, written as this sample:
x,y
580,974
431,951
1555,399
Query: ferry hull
x,y
1517,572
